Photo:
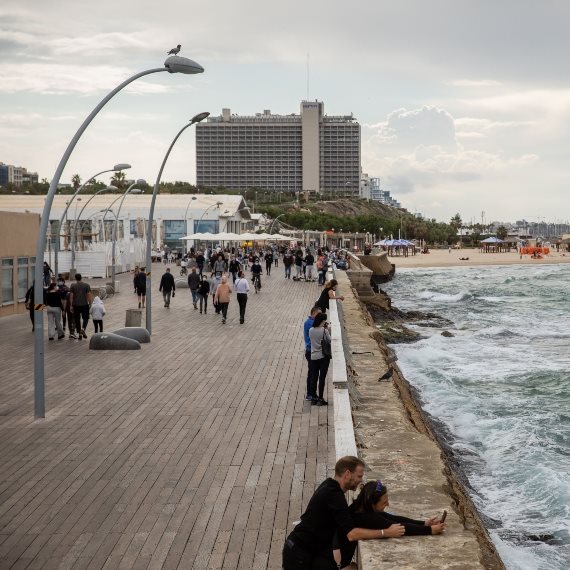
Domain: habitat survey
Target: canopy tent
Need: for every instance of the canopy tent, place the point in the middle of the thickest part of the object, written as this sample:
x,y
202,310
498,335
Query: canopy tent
x,y
492,239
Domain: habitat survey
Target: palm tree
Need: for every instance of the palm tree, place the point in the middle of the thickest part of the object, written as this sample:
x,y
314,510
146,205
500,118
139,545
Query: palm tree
x,y
118,180
502,232
76,181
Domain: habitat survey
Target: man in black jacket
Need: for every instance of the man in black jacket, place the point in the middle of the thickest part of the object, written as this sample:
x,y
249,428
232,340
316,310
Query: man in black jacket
x,y
167,287
193,284
309,544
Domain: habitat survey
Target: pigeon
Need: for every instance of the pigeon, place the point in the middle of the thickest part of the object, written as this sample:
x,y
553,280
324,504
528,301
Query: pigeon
x,y
174,51
387,375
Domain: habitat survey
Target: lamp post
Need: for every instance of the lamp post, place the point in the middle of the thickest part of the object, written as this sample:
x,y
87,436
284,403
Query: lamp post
x,y
116,168
130,189
107,189
186,219
195,119
173,64
273,222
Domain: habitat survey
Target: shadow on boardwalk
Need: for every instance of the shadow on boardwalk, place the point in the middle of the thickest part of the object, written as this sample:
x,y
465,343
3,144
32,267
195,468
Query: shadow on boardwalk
x,y
195,452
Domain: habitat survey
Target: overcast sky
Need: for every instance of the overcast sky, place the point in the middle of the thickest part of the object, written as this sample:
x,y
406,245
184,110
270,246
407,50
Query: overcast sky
x,y
464,104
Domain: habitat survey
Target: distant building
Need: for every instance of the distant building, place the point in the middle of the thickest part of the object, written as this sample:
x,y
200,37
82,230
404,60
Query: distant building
x,y
382,196
17,175
309,152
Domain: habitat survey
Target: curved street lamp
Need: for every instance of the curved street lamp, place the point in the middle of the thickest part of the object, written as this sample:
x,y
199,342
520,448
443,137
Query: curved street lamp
x,y
272,223
130,189
173,64
186,219
116,168
216,205
195,119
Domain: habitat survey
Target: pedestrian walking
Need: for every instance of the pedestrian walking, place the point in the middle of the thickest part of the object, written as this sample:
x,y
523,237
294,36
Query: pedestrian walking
x,y
139,282
52,300
30,305
222,297
268,262
309,265
242,289
320,358
80,298
98,312
193,284
287,263
298,265
167,287
200,261
47,274
322,268
63,290
203,292
234,268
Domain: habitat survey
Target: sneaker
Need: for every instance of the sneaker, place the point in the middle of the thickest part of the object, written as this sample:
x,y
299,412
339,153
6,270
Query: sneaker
x,y
79,336
241,321
72,335
322,402
223,321
51,337
83,333
200,312
60,336
308,398
314,402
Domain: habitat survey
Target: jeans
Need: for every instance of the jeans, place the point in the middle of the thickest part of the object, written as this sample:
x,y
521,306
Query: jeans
x,y
166,297
242,301
308,359
54,321
98,323
319,369
287,272
204,302
194,296
322,276
298,271
80,313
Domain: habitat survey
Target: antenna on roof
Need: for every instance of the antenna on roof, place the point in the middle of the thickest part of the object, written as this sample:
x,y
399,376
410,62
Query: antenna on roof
x,y
308,75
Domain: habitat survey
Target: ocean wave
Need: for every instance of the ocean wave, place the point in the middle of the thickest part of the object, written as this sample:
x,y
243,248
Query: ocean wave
x,y
444,297
497,331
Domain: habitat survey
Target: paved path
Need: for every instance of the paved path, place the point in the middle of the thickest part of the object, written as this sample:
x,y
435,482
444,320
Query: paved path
x,y
196,452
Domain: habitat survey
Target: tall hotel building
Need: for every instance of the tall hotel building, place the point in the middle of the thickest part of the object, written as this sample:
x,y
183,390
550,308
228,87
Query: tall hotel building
x,y
309,152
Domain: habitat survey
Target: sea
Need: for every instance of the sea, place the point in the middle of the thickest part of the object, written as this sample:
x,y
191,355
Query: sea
x,y
500,389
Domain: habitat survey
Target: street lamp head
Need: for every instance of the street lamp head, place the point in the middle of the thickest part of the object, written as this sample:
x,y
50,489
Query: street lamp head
x,y
179,64
111,188
136,191
141,182
200,117
121,166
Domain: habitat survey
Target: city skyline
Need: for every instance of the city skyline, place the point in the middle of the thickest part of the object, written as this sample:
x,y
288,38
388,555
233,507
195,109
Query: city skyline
x,y
463,108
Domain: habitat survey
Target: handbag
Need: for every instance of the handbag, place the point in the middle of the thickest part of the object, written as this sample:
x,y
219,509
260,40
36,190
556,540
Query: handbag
x,y
326,346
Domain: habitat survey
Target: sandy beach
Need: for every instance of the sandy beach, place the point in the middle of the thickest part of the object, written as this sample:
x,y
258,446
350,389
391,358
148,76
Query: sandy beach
x,y
442,258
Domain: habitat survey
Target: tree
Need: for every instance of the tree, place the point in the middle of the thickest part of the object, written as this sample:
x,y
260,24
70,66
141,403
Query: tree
x,y
76,181
118,180
502,232
456,222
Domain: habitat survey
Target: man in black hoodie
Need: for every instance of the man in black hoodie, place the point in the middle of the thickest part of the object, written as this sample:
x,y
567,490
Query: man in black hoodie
x,y
167,287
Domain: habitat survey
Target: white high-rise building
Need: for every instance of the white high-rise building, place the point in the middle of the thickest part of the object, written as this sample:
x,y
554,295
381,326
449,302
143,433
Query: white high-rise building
x,y
309,152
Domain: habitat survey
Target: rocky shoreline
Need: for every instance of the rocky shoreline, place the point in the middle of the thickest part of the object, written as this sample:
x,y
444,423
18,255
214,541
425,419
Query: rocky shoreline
x,y
389,395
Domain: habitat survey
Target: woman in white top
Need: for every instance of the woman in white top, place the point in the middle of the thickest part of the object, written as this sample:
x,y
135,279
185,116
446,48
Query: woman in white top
x,y
241,286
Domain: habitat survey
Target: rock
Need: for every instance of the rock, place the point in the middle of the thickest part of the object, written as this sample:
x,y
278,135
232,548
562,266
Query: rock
x,y
140,334
111,341
396,333
447,334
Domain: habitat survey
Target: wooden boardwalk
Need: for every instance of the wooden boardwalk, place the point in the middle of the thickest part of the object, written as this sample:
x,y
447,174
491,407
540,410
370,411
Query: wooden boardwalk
x,y
197,451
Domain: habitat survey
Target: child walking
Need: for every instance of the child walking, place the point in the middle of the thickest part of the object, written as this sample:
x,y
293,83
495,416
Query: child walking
x,y
98,312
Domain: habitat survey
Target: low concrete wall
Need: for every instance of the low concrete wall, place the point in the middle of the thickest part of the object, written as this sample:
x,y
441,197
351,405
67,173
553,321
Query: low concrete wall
x,y
398,452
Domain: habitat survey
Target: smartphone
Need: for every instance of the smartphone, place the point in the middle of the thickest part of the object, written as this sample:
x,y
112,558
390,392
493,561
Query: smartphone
x,y
443,517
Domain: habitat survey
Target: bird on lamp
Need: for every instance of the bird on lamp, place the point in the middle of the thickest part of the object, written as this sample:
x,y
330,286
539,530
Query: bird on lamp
x,y
174,51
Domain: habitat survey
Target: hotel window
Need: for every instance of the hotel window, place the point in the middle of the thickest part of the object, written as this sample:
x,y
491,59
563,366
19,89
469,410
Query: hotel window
x,y
22,277
7,280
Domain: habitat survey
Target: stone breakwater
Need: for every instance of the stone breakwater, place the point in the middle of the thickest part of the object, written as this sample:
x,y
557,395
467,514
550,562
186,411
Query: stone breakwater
x,y
401,447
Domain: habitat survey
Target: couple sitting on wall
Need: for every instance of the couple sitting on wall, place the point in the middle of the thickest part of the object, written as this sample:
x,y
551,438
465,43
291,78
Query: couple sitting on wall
x,y
327,535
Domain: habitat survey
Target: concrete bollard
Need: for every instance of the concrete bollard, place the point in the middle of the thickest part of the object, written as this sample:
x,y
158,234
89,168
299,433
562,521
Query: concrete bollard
x,y
140,334
133,318
111,341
